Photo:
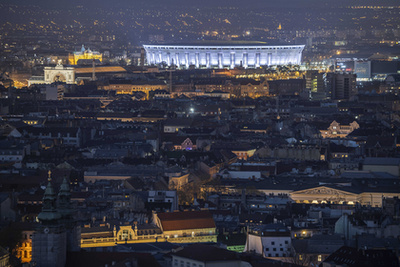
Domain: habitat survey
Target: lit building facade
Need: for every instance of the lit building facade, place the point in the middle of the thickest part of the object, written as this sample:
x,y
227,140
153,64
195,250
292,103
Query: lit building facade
x,y
270,240
173,227
337,130
223,56
24,250
58,73
84,55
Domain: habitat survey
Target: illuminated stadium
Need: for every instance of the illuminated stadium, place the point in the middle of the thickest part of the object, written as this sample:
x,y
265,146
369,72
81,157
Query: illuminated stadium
x,y
223,55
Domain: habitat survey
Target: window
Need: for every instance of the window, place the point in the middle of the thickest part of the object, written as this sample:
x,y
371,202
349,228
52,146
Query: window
x,y
281,249
266,249
274,249
272,243
286,242
176,262
319,257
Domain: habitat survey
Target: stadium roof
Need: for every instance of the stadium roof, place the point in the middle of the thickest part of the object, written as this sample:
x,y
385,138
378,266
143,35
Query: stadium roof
x,y
217,43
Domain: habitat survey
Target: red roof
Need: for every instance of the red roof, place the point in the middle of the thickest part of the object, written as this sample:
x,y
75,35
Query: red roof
x,y
172,221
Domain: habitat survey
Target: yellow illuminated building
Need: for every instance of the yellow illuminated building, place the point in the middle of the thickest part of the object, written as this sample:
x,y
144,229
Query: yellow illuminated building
x,y
173,227
24,251
84,54
129,87
337,130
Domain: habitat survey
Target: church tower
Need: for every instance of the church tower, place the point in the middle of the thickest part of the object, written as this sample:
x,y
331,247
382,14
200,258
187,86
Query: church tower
x,y
67,217
49,244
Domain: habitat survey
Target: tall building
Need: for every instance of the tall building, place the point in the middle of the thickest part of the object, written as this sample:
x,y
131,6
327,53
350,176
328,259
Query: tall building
x,y
340,86
363,70
315,85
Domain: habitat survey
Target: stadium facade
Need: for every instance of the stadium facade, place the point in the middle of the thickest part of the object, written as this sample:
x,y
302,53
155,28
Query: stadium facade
x,y
223,55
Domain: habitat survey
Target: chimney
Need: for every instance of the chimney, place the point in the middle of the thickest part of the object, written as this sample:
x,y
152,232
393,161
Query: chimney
x,y
94,70
142,58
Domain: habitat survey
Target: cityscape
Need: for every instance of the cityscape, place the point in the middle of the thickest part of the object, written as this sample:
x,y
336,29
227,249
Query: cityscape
x,y
200,133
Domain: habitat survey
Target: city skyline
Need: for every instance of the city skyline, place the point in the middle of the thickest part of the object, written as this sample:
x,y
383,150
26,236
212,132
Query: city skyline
x,y
179,3
198,133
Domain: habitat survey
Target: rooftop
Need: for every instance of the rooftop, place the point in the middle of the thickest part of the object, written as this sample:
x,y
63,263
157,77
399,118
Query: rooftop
x,y
206,253
218,43
382,161
186,220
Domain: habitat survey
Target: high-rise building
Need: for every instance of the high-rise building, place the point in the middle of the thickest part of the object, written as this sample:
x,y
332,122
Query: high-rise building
x,y
340,86
363,70
315,85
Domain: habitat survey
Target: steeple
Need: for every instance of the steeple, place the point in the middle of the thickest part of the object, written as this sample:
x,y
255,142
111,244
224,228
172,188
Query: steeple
x,y
83,49
49,242
64,200
49,214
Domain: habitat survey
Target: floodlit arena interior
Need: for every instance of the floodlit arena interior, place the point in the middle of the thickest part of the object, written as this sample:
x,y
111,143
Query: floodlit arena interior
x,y
224,55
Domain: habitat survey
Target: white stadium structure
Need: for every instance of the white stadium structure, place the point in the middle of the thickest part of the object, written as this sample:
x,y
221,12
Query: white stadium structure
x,y
226,55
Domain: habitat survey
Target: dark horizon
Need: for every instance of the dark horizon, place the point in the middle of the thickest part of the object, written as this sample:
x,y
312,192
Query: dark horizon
x,y
204,3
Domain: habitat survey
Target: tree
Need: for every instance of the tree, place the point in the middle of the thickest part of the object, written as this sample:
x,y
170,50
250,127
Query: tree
x,y
11,237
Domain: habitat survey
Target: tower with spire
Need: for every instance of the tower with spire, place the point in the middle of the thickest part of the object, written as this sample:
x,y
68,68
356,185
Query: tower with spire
x,y
49,243
67,217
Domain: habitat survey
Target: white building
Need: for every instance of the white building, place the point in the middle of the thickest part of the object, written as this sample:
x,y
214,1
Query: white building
x,y
200,255
13,153
270,240
164,197
229,174
224,55
58,73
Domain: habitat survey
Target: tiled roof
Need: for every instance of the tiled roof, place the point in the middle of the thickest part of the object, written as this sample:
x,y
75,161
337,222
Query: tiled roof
x,y
96,259
206,253
382,161
352,257
172,221
100,69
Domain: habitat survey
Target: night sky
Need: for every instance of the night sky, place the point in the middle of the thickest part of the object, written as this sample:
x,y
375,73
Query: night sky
x,y
202,3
